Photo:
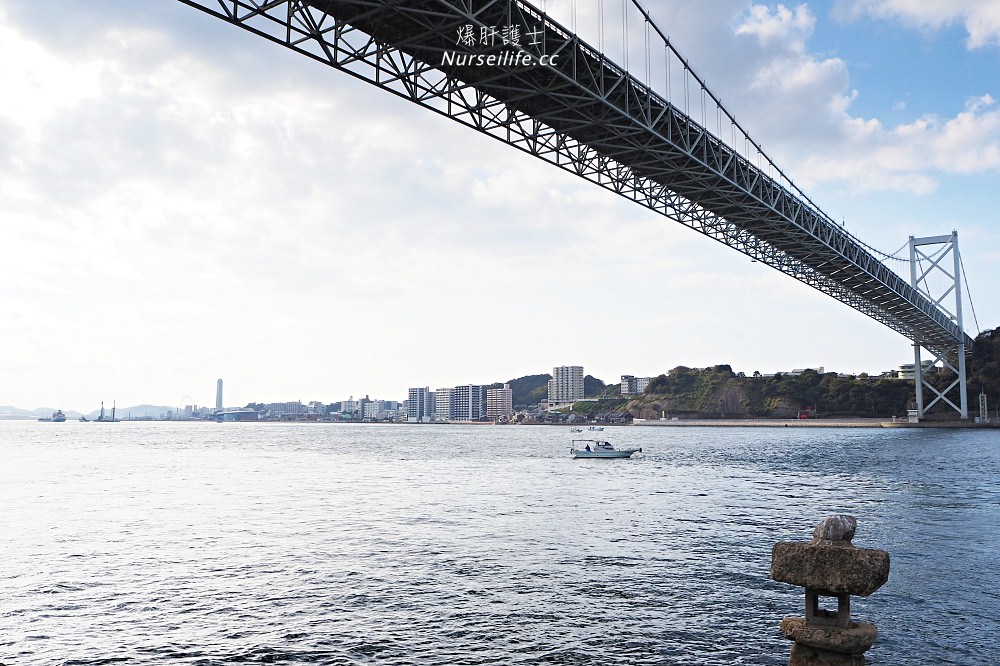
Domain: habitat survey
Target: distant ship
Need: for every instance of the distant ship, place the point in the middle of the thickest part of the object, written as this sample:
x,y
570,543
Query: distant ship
x,y
57,417
105,419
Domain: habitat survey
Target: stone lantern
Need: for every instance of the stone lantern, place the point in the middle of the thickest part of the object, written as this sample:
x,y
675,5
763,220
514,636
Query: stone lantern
x,y
829,567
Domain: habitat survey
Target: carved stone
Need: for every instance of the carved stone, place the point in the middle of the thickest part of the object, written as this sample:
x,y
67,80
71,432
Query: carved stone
x,y
834,569
829,566
855,639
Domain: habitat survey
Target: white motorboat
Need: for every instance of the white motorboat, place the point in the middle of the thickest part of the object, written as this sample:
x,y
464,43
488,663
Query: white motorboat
x,y
597,448
596,428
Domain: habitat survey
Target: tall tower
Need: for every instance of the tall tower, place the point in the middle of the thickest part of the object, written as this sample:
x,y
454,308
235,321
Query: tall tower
x,y
218,395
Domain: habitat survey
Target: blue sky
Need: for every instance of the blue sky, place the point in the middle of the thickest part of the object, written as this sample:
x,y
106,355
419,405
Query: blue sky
x,y
902,74
182,201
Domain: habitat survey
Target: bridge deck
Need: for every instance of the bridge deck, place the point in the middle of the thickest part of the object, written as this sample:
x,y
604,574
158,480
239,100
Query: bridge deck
x,y
587,115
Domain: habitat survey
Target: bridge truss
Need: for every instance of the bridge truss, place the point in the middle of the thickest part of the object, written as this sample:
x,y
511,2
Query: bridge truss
x,y
580,111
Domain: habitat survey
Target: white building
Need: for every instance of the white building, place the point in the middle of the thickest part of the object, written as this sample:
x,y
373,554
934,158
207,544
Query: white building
x,y
442,404
499,402
908,370
381,410
286,409
632,385
349,406
566,385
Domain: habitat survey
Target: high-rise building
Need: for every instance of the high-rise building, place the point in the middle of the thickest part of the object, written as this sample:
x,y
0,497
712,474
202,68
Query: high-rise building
x,y
468,403
442,404
419,405
566,385
499,402
218,395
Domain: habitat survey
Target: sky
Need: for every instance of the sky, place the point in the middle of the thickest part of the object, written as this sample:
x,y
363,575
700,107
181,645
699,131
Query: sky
x,y
181,201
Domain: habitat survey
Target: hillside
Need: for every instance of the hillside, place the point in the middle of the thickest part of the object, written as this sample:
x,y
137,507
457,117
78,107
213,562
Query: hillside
x,y
718,392
532,389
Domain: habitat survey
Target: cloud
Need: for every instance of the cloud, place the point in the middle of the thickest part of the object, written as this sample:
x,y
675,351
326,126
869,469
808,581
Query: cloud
x,y
801,104
980,18
790,28
202,201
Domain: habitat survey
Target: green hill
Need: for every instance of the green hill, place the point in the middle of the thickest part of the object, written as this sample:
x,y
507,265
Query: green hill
x,y
532,389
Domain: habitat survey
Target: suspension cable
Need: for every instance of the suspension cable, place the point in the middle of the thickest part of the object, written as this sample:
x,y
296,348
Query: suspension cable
x,y
968,293
750,145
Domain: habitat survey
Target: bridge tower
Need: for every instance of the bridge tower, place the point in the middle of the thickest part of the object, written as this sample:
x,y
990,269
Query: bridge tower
x,y
921,275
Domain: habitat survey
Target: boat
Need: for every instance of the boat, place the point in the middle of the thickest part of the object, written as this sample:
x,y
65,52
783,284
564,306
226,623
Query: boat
x,y
576,429
596,428
103,418
598,448
57,417
84,419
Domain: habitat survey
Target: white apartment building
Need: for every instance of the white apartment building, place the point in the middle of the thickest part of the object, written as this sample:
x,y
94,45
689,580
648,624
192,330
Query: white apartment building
x,y
566,385
632,385
499,402
442,404
286,409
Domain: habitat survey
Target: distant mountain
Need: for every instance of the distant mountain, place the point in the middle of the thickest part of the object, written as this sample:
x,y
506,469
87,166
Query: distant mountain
x,y
9,412
134,412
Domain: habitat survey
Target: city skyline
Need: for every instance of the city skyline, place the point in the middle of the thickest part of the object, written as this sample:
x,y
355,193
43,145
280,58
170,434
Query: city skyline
x,y
639,382
182,199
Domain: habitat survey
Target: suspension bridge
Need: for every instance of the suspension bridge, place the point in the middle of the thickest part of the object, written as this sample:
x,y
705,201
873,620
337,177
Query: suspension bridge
x,y
644,126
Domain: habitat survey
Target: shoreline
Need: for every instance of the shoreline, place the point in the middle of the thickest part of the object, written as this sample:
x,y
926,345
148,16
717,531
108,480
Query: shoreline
x,y
809,423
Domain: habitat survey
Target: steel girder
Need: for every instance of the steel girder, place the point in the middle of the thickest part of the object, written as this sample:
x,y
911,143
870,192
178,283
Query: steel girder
x,y
588,116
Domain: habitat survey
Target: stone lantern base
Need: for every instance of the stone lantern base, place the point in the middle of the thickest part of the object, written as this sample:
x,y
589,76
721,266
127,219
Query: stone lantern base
x,y
803,655
828,646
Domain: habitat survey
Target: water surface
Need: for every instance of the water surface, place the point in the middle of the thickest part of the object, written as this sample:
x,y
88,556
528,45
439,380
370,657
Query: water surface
x,y
204,543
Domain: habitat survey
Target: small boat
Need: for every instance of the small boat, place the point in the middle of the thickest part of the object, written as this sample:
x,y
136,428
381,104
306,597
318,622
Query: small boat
x,y
576,429
597,448
84,419
596,428
57,417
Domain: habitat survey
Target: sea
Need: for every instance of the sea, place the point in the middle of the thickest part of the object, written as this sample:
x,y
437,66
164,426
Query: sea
x,y
314,543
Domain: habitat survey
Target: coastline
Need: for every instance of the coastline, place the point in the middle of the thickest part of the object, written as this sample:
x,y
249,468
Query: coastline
x,y
810,423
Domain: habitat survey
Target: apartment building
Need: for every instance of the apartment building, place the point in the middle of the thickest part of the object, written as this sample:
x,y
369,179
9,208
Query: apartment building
x,y
566,385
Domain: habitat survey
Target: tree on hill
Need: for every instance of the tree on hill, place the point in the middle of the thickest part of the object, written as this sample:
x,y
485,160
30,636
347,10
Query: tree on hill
x,y
529,390
984,368
719,391
592,386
